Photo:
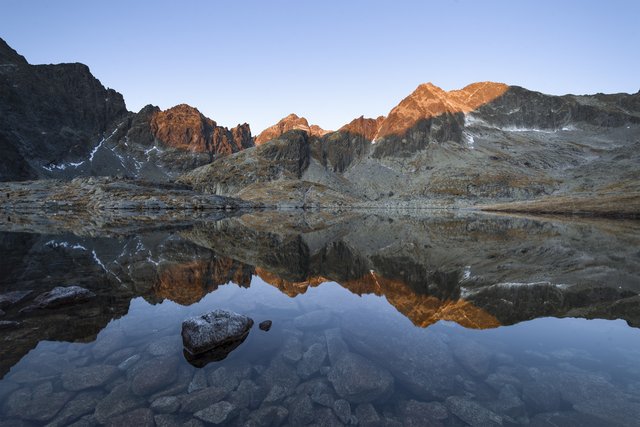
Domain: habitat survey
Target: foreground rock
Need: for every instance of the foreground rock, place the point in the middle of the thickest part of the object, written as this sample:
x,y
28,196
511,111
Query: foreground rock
x,y
60,296
204,333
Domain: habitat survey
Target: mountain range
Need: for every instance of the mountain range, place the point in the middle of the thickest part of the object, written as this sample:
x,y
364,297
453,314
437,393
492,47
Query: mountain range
x,y
488,144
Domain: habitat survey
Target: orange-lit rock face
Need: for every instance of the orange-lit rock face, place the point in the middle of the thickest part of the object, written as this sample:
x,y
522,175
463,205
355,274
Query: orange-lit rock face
x,y
365,127
187,283
289,288
429,101
185,128
422,310
291,122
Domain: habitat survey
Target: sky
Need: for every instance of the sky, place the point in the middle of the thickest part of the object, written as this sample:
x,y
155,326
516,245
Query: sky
x,y
329,61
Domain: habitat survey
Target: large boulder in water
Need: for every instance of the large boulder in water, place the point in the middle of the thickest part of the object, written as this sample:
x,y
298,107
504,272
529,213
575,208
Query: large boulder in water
x,y
215,329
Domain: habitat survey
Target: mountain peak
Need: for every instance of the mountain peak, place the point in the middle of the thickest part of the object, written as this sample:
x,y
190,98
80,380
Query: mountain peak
x,y
428,100
290,122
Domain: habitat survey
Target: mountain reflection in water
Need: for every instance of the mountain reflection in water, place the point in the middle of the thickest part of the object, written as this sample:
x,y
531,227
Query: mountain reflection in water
x,y
402,296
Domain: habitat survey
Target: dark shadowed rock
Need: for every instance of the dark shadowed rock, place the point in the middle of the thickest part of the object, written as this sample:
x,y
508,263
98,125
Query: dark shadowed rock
x,y
11,298
266,325
358,380
8,324
87,377
204,333
60,296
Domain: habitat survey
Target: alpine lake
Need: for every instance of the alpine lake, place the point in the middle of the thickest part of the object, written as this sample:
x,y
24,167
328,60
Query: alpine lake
x,y
421,318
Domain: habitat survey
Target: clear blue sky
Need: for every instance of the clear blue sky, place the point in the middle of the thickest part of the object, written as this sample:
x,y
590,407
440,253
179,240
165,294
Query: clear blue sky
x,y
331,61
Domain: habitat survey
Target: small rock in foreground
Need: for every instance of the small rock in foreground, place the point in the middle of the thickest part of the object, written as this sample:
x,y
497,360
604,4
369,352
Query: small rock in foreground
x,y
265,326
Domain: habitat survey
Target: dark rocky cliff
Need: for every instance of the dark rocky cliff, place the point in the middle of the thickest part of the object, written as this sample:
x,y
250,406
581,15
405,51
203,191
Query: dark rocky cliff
x,y
49,112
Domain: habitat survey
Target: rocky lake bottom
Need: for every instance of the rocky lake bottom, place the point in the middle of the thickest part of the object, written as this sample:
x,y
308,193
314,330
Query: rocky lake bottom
x,y
439,320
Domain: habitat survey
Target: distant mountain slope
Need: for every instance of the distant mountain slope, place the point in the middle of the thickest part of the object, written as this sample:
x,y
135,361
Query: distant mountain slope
x,y
485,143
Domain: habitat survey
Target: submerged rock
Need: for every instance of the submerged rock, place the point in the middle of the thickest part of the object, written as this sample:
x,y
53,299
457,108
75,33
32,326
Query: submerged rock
x,y
204,333
60,296
218,413
472,412
358,380
91,376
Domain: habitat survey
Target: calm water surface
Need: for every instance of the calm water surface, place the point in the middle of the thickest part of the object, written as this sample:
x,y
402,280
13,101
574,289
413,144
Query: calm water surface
x,y
376,321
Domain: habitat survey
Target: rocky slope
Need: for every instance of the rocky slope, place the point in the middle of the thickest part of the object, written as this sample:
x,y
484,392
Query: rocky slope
x,y
58,121
291,122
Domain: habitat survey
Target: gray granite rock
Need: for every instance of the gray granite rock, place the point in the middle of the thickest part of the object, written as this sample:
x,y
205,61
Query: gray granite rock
x,y
416,414
165,405
82,404
611,411
472,412
142,417
88,377
509,402
248,395
342,408
208,331
279,373
301,411
359,380
218,413
275,394
198,382
336,346
267,416
165,346
367,415
117,402
39,404
312,360
126,364
292,349
154,375
201,399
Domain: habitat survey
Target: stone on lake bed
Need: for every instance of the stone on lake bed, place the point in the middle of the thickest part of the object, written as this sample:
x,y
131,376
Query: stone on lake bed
x,y
208,331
